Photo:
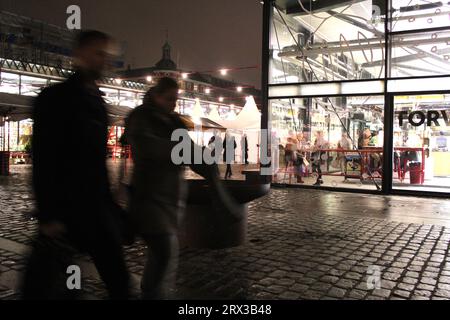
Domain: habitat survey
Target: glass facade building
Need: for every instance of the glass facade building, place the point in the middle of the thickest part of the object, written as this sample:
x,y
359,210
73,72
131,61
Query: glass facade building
x,y
358,94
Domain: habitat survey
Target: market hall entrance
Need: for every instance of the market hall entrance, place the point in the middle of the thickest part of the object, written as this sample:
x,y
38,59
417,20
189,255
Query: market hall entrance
x,y
421,142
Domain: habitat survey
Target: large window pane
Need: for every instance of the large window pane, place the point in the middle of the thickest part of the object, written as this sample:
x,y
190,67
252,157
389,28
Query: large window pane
x,y
421,54
9,83
422,142
340,141
419,14
325,41
32,86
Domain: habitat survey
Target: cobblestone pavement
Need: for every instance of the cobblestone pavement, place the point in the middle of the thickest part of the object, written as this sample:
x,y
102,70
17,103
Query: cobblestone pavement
x,y
302,244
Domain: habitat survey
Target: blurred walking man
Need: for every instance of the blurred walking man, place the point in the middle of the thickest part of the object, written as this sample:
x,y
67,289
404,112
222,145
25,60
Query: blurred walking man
x,y
70,178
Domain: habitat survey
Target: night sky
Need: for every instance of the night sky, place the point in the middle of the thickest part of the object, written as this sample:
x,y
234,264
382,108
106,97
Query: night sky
x,y
204,34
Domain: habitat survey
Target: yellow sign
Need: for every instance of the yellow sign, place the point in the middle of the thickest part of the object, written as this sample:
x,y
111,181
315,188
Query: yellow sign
x,y
420,98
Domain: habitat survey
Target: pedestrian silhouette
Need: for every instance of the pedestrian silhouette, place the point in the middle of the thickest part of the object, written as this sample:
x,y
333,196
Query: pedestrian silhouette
x,y
244,147
70,178
158,187
229,152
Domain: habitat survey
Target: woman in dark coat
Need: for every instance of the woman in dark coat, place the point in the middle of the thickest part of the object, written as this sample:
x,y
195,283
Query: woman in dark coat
x,y
158,187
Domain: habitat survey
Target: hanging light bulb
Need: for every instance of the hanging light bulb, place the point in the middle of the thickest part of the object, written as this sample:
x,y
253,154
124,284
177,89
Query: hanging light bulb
x,y
207,90
239,89
221,99
149,78
184,75
223,72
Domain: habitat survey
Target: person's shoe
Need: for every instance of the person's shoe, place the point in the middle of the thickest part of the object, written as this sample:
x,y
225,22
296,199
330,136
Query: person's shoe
x,y
320,181
300,180
317,184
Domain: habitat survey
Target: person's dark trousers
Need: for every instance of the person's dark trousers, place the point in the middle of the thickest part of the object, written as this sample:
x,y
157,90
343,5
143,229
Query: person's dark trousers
x,y
396,160
106,251
228,173
319,171
316,168
161,267
46,275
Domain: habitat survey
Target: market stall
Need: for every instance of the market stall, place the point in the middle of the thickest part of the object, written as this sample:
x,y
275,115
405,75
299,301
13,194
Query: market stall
x,y
248,123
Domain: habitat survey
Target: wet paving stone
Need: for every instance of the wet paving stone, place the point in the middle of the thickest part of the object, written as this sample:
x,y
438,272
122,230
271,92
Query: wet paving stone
x,y
302,244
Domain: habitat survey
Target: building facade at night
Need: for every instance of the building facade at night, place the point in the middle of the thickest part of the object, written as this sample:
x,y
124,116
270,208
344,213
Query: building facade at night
x,y
361,90
34,55
213,92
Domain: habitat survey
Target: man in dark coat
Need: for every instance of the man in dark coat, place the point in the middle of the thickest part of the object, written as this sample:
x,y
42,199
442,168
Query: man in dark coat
x,y
70,178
